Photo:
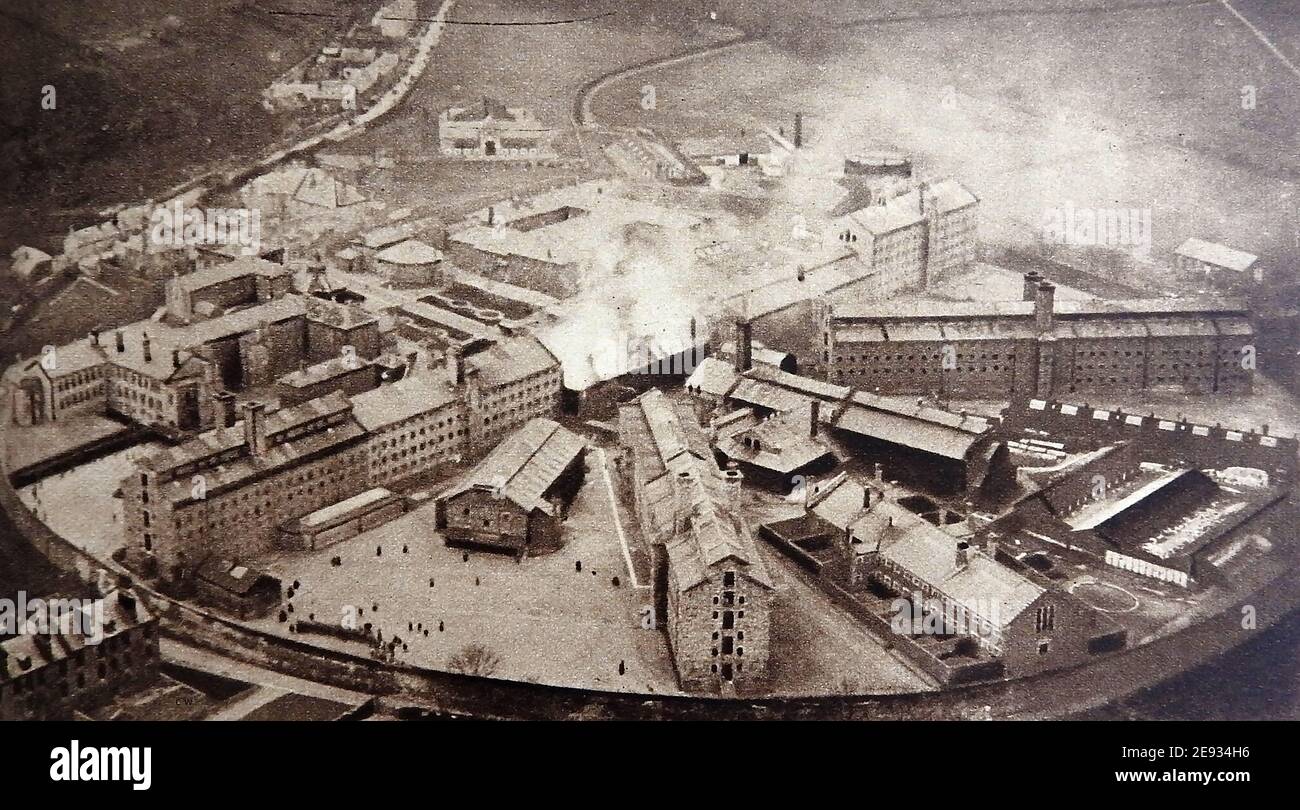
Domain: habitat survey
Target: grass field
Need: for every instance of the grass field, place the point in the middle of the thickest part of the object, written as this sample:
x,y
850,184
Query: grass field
x,y
1105,109
147,92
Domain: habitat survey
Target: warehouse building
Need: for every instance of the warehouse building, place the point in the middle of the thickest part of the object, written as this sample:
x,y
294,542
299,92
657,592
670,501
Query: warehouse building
x,y
228,491
169,376
779,452
231,490
913,234
215,288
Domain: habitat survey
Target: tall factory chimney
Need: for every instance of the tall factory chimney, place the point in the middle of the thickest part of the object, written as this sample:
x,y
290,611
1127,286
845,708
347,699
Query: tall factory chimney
x,y
1044,306
744,345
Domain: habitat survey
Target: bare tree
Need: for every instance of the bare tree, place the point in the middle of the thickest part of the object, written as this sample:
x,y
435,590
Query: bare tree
x,y
474,659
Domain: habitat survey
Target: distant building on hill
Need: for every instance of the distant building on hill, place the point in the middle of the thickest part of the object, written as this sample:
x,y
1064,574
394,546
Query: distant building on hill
x,y
489,130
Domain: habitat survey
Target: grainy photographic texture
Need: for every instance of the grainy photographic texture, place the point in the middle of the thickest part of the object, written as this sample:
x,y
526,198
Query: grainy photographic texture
x,y
648,360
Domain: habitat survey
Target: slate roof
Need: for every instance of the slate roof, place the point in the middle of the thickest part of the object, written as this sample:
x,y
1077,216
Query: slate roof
x,y
1217,254
512,360
984,587
713,376
215,442
399,401
525,466
666,438
933,430
23,653
784,443
904,210
412,251
232,576
240,267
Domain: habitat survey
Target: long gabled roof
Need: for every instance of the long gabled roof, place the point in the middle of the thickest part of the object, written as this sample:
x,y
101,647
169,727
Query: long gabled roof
x,y
933,430
666,438
715,535
983,586
662,433
524,467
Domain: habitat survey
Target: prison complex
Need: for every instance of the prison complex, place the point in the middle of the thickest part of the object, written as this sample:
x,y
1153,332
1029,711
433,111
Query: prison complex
x,y
231,489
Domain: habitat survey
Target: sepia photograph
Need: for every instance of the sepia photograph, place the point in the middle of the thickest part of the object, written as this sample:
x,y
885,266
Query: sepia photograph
x,y
667,362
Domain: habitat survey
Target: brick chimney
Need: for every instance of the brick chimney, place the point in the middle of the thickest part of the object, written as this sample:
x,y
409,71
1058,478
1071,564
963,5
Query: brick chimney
x,y
94,337
814,417
682,497
1044,306
146,347
455,365
255,427
121,341
963,554
798,130
1032,280
744,358
223,406
733,478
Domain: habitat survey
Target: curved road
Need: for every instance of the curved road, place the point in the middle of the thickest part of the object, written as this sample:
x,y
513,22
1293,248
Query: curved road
x,y
581,113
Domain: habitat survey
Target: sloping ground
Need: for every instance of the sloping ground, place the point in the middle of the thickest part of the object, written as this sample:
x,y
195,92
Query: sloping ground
x,y
147,90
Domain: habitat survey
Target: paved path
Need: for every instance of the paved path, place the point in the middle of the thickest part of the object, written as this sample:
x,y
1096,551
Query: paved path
x,y
618,522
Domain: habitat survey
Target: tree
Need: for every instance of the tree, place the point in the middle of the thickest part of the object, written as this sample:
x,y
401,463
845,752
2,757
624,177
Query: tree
x,y
474,659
